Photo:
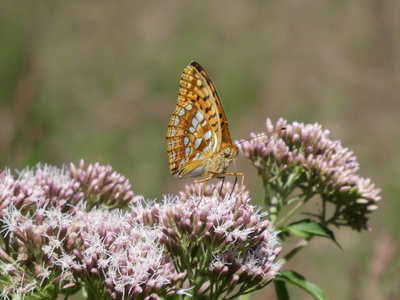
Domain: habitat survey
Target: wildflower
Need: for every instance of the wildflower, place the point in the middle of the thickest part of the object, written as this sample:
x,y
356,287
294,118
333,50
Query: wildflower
x,y
23,193
127,256
103,186
108,252
199,229
221,189
39,187
303,156
47,231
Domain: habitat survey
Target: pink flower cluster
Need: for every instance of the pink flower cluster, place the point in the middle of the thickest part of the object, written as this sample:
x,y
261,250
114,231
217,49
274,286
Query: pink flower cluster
x,y
221,189
103,186
54,240
226,241
303,156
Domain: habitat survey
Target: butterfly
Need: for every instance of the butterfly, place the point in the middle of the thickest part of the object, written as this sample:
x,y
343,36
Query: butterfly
x,y
199,143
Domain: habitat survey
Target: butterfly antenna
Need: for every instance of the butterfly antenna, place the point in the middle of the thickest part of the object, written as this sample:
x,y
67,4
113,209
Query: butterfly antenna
x,y
269,133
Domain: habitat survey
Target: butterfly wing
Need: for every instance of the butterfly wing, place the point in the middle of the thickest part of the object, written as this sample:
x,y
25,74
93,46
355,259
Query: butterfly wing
x,y
198,126
221,117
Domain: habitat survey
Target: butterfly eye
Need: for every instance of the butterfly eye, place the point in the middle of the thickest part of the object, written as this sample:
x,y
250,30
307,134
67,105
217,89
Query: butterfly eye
x,y
227,152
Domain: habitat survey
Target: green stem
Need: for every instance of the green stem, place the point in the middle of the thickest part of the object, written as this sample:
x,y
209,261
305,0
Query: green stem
x,y
186,262
292,212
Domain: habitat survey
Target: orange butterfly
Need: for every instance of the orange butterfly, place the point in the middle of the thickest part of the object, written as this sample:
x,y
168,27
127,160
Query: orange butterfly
x,y
198,136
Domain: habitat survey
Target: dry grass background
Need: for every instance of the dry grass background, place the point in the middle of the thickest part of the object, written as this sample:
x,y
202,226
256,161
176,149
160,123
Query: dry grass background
x,y
98,80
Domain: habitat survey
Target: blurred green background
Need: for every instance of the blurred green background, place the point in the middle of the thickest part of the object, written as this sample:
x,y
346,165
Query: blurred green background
x,y
98,80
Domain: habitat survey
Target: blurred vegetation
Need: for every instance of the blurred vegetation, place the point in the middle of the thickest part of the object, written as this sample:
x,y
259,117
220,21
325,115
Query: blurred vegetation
x,y
98,80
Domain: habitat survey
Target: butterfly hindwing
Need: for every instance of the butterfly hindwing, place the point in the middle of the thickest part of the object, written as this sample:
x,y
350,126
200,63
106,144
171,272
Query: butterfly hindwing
x,y
189,140
198,126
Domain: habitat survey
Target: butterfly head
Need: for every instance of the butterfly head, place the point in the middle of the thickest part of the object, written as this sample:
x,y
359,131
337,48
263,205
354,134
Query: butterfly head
x,y
230,152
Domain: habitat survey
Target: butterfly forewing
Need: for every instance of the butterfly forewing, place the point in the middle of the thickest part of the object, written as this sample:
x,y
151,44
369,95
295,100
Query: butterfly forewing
x,y
198,126
223,122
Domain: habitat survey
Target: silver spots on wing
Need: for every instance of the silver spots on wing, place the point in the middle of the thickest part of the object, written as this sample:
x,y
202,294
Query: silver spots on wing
x,y
207,135
199,116
197,142
176,121
187,151
195,122
182,162
173,131
173,155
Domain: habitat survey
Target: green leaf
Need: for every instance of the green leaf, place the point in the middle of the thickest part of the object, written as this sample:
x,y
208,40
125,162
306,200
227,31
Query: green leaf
x,y
298,280
307,228
281,290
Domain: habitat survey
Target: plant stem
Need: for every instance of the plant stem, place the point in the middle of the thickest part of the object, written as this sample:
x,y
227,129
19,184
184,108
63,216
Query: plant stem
x,y
292,212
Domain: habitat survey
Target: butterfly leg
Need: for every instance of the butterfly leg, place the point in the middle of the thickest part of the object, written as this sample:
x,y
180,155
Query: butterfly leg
x,y
204,182
234,184
206,178
242,181
222,184
237,174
